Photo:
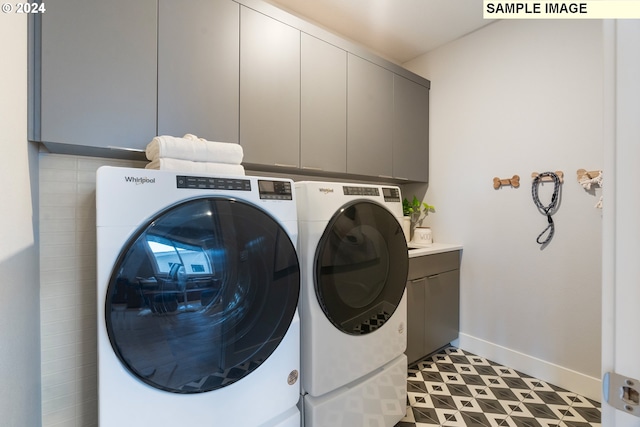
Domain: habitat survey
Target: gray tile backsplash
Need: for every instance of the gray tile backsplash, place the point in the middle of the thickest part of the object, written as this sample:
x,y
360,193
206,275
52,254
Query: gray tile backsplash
x,y
68,288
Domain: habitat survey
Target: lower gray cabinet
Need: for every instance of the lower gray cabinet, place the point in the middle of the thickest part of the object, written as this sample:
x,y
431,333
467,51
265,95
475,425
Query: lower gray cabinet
x,y
433,294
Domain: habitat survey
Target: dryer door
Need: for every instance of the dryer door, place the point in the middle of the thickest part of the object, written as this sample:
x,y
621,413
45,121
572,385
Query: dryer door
x,y
202,294
361,267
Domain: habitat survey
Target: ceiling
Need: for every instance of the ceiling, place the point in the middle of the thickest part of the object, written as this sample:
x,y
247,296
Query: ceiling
x,y
399,30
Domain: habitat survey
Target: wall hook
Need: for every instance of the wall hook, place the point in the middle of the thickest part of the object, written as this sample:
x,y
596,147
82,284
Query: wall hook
x,y
584,174
513,181
589,178
560,174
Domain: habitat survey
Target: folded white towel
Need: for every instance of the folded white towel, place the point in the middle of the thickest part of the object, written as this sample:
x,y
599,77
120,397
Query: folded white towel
x,y
190,147
200,167
193,137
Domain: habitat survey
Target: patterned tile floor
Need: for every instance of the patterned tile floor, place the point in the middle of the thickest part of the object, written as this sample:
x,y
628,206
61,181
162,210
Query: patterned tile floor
x,y
456,388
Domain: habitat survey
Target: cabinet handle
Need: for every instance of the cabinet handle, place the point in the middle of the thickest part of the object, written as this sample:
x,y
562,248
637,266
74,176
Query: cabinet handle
x,y
402,178
283,165
433,276
385,176
312,168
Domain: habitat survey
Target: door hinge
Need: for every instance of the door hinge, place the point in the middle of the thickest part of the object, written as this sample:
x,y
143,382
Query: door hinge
x,y
622,392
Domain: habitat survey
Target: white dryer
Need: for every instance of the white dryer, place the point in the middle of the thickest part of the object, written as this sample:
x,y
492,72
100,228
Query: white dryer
x,y
353,306
197,290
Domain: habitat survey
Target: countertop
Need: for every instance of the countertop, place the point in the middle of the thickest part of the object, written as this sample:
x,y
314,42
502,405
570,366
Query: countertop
x,y
435,248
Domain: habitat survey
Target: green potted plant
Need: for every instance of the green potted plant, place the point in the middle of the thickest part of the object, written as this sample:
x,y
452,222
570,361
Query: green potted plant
x,y
414,212
416,207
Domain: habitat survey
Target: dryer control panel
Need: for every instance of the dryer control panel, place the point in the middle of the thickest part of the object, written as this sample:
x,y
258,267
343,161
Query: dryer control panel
x,y
360,191
210,183
275,190
391,194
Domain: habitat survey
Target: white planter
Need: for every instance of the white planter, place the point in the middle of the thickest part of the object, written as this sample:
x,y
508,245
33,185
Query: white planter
x,y
422,237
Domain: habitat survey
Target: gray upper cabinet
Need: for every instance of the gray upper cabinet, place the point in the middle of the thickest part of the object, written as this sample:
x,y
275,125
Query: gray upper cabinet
x,y
198,68
410,130
113,74
95,74
269,90
323,107
369,118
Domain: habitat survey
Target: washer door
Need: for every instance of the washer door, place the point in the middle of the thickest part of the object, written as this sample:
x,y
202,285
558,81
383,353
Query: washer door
x,y
202,295
361,267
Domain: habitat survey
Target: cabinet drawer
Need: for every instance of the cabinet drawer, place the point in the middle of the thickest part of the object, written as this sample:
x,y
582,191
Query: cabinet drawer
x,y
429,265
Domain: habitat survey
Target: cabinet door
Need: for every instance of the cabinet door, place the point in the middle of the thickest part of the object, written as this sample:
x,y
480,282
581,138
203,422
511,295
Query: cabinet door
x,y
269,90
415,319
442,309
198,68
98,73
323,107
410,130
369,118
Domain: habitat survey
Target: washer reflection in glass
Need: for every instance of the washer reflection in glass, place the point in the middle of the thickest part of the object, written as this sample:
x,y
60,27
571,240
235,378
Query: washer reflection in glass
x,y
199,295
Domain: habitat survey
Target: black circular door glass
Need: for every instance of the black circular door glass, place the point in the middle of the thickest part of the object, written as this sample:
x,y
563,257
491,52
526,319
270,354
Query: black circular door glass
x,y
361,267
202,295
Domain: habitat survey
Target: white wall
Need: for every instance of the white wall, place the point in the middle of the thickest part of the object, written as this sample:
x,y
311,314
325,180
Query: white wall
x,y
514,98
19,299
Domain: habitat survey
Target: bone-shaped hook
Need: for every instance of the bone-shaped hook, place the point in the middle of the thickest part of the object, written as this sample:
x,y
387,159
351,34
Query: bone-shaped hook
x,y
560,174
513,181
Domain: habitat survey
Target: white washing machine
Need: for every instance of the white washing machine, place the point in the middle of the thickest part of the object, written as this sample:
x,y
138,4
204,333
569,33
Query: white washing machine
x,y
198,285
353,306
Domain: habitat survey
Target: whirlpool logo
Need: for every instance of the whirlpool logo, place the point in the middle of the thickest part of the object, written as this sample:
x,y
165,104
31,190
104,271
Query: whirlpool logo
x,y
325,190
139,181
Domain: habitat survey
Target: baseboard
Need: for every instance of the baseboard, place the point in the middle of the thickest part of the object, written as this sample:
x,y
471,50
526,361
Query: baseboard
x,y
571,380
